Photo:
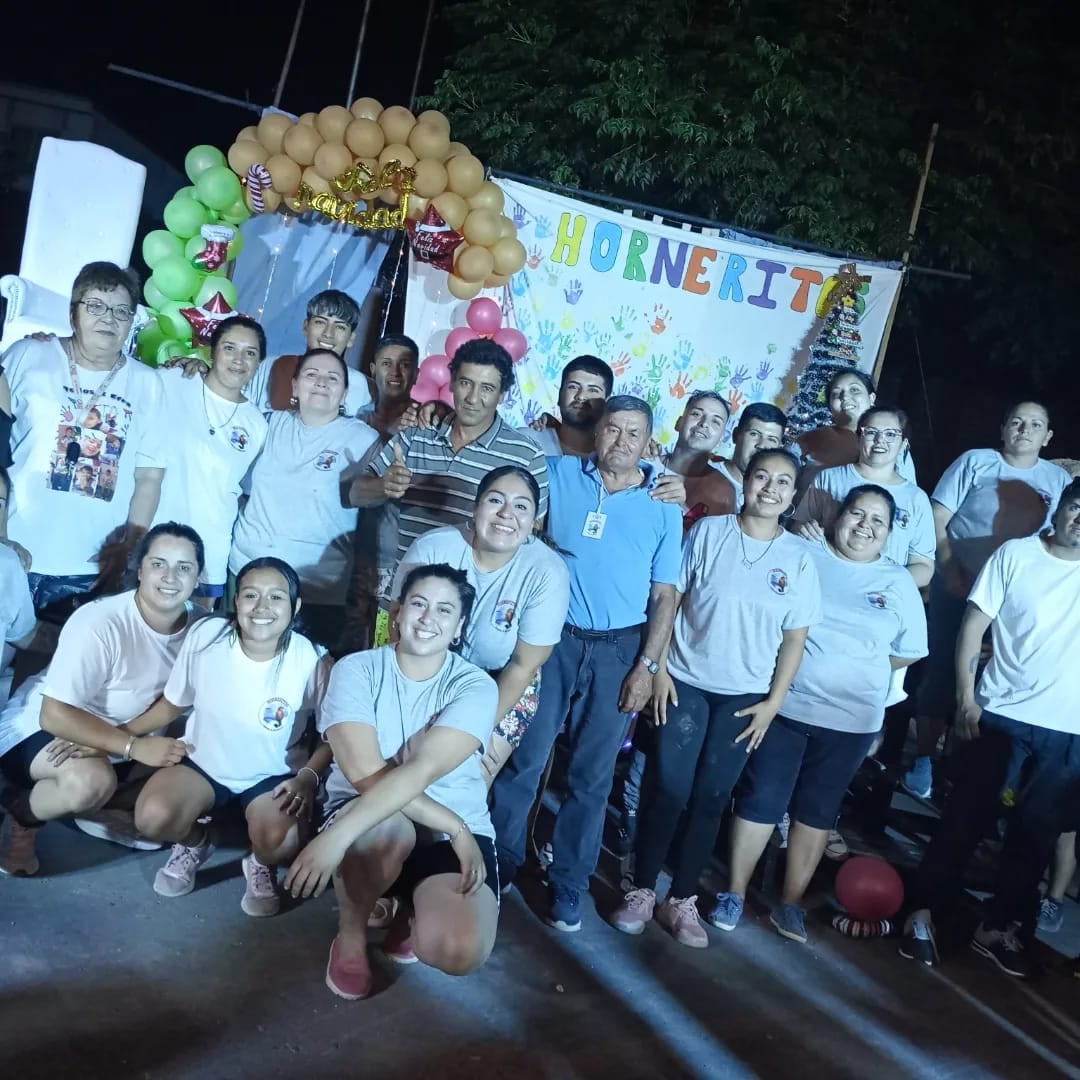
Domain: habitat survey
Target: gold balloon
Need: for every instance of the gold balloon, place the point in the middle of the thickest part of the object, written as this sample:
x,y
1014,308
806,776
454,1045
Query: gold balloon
x,y
481,227
308,118
463,290
284,174
457,149
489,197
474,264
366,108
332,122
430,178
428,141
507,228
271,130
271,200
315,181
435,119
251,134
397,152
496,281
466,175
245,153
332,159
452,208
396,123
390,196
365,138
301,143
417,207
508,255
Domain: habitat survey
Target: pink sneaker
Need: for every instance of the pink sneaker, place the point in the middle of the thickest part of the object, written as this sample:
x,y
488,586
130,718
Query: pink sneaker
x,y
260,893
177,876
17,855
681,920
397,944
635,912
349,979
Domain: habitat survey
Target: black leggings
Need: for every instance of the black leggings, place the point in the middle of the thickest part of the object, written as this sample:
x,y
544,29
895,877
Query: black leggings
x,y
693,766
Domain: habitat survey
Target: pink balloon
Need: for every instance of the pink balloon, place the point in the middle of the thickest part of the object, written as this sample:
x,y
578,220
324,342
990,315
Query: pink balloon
x,y
484,316
456,338
436,370
446,395
424,390
513,341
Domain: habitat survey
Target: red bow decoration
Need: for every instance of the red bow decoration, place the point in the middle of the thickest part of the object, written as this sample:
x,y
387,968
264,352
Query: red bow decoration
x,y
204,320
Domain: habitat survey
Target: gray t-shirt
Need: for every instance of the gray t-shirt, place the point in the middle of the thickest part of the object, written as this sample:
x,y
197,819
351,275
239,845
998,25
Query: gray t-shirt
x,y
369,688
526,599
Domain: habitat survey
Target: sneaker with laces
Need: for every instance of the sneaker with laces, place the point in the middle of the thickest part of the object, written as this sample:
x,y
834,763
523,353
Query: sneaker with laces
x,y
836,847
177,876
260,889
118,827
349,979
1051,915
919,779
1004,948
635,911
783,827
565,909
382,914
681,920
790,922
727,912
545,856
17,855
920,942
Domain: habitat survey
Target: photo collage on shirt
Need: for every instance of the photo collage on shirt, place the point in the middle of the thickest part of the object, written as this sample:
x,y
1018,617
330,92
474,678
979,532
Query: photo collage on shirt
x,y
86,457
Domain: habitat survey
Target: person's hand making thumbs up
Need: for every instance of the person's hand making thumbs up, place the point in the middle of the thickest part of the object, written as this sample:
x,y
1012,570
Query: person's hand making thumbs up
x,y
398,477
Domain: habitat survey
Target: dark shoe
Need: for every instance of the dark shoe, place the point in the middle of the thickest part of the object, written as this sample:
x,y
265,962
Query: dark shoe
x,y
920,943
1004,948
565,909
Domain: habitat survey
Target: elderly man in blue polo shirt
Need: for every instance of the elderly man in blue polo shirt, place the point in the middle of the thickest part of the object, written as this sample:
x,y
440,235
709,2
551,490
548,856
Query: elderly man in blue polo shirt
x,y
622,550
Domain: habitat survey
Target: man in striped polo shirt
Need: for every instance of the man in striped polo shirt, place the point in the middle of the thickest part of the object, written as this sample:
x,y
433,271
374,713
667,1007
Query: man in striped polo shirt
x,y
433,473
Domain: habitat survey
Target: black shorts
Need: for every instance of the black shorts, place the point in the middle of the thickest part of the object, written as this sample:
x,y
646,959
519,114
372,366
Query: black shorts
x,y
223,796
15,764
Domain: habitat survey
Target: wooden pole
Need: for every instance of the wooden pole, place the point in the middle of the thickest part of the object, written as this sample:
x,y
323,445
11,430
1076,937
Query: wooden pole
x,y
423,49
289,54
916,211
356,56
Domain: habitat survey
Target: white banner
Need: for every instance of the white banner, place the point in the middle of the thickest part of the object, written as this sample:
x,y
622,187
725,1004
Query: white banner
x,y
672,311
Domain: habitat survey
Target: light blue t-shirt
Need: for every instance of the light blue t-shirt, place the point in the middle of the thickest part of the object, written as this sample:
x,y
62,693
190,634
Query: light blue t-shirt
x,y
869,612
630,541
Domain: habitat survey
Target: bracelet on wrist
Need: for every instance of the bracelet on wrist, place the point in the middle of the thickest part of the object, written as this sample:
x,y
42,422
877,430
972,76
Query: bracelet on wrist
x,y
130,744
308,768
460,830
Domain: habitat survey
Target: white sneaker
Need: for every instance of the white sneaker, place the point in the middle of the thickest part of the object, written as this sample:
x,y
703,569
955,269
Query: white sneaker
x,y
177,876
118,827
836,847
260,893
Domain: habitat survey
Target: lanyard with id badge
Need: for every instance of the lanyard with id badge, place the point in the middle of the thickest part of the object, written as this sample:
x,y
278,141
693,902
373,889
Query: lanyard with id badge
x,y
596,520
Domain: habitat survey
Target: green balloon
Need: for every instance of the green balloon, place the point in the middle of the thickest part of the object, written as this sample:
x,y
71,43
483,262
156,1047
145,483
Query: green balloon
x,y
149,341
185,217
213,285
173,325
201,158
237,214
218,187
154,297
176,278
186,192
236,244
193,247
169,350
158,245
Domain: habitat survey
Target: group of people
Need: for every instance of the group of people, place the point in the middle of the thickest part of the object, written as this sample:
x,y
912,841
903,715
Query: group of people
x,y
287,592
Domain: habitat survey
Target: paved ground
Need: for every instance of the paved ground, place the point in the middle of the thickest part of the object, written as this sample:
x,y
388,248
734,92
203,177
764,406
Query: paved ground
x,y
99,977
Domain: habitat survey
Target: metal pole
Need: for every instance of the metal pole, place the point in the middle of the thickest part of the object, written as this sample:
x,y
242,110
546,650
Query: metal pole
x,y
423,49
289,54
356,57
174,85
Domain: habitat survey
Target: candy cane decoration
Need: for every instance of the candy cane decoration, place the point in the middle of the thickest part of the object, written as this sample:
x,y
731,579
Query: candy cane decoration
x,y
258,180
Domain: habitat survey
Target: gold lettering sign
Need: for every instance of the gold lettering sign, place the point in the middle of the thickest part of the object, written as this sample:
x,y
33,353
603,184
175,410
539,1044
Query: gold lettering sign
x,y
361,180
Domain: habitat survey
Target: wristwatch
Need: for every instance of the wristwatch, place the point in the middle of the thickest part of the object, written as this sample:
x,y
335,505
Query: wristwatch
x,y
650,665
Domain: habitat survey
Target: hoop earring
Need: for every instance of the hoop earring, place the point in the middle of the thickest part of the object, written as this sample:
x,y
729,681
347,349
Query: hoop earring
x,y
293,402
341,409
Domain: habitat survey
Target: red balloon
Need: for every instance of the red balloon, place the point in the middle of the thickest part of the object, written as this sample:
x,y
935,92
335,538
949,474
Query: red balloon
x,y
484,316
457,337
869,888
436,370
513,341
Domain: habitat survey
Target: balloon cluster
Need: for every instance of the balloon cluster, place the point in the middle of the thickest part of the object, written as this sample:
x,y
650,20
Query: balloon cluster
x,y
188,291
455,215
484,320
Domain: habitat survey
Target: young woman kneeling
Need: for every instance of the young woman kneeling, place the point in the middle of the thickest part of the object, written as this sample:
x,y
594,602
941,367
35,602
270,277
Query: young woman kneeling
x,y
408,724
253,686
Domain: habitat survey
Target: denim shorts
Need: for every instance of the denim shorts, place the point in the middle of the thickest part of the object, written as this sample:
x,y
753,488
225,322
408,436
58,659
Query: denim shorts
x,y
15,764
802,769
223,796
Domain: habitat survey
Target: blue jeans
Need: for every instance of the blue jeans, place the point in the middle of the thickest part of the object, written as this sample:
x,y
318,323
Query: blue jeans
x,y
58,596
582,677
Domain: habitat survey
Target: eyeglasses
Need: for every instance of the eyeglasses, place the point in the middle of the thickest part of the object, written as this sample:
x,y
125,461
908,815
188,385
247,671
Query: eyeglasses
x,y
889,434
97,308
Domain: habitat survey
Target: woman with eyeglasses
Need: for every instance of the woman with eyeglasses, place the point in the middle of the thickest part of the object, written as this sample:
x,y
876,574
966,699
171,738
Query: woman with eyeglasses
x,y
87,469
299,509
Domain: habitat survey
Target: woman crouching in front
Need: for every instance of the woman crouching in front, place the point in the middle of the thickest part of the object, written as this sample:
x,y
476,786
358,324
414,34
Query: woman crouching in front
x,y
408,724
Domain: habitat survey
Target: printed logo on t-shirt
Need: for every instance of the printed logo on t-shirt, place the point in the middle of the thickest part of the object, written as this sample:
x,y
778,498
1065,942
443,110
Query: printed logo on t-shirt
x,y
326,459
876,600
778,581
903,518
88,447
503,616
275,714
239,437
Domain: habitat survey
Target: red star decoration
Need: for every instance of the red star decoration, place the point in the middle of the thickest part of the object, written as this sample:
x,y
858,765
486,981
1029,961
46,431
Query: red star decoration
x,y
433,240
204,320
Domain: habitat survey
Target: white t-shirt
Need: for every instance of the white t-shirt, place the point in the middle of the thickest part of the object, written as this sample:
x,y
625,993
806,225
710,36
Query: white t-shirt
x,y
257,391
869,612
73,471
368,688
107,661
527,599
1034,599
913,530
992,501
204,472
730,625
295,511
17,617
249,717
